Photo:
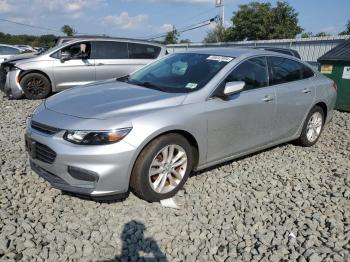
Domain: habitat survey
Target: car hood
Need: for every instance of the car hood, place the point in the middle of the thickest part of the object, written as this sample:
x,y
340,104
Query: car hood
x,y
110,99
18,58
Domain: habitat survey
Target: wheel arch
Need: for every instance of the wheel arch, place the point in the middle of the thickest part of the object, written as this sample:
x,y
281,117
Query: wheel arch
x,y
324,107
187,135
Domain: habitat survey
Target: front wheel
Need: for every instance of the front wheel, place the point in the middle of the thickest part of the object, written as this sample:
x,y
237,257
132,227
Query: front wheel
x,y
312,128
162,168
35,86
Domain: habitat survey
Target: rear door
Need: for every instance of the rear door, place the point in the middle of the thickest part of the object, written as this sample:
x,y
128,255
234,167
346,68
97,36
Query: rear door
x,y
116,58
77,70
295,93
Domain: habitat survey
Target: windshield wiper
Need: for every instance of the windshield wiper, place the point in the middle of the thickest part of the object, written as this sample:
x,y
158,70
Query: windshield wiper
x,y
146,84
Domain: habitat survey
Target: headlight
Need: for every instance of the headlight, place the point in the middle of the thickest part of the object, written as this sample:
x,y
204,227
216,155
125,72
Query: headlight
x,y
96,137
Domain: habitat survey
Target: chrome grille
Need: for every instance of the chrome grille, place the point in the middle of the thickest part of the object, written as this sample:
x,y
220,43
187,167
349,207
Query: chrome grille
x,y
44,128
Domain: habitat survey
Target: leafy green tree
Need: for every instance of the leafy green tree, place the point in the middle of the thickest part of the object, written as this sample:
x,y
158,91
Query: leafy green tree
x,y
218,34
306,34
185,41
347,29
262,21
68,30
40,41
171,37
320,34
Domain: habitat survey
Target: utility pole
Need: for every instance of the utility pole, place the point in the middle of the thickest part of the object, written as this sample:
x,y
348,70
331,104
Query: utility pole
x,y
221,5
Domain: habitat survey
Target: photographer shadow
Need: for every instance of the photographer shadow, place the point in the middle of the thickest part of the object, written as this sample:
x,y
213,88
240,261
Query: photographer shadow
x,y
136,247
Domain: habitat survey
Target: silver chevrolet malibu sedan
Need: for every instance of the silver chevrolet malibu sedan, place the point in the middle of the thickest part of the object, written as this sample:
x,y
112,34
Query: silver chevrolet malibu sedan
x,y
187,111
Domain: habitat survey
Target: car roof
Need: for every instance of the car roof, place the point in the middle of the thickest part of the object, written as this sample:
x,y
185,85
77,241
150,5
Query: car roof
x,y
74,39
16,47
230,51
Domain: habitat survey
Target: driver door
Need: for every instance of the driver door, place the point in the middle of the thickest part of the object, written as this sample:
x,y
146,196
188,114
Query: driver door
x,y
243,121
78,70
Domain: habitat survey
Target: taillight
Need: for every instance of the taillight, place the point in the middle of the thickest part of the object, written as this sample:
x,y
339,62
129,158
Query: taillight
x,y
334,85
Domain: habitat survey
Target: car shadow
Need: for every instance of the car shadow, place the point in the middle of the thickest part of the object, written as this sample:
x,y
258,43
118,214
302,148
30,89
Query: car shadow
x,y
135,247
202,171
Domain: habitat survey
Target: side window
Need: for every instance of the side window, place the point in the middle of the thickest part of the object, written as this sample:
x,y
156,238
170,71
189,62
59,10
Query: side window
x,y
110,50
5,50
253,72
285,70
77,50
142,51
307,72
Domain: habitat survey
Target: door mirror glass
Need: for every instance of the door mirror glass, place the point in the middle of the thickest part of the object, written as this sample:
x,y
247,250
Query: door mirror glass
x,y
65,56
233,87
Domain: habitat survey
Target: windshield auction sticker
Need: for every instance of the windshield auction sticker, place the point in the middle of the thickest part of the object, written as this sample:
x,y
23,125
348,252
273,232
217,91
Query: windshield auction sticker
x,y
191,85
220,58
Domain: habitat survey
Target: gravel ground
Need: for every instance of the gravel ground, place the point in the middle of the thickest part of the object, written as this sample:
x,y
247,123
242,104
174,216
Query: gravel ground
x,y
287,203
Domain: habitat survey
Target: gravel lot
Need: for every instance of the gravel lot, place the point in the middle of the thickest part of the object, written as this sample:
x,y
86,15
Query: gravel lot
x,y
286,203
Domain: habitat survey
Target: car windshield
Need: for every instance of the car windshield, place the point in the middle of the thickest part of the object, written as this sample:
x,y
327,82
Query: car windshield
x,y
179,73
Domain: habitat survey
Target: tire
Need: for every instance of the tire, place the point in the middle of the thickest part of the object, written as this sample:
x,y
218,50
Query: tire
x,y
35,86
305,138
149,187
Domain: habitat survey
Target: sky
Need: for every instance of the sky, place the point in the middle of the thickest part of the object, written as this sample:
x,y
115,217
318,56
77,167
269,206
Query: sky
x,y
148,18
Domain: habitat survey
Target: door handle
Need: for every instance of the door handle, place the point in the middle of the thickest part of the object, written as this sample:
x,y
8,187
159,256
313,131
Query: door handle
x,y
268,99
100,64
306,91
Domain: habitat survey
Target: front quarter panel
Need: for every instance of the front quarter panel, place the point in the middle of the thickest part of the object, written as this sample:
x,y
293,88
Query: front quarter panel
x,y
186,118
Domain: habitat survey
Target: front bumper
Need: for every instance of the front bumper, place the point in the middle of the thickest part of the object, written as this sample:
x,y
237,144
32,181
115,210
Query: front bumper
x,y
110,165
9,83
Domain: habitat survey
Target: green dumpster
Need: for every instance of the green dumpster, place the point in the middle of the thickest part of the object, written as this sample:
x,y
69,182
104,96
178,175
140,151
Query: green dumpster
x,y
335,64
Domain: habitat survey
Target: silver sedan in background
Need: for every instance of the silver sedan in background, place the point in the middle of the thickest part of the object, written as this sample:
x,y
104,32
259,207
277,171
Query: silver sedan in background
x,y
184,112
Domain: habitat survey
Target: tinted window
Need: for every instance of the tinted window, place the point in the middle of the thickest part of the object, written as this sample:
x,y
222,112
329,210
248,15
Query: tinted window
x,y
285,70
77,51
142,51
110,50
307,72
253,72
6,50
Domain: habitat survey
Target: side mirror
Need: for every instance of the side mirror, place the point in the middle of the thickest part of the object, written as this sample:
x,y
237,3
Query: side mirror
x,y
232,88
65,56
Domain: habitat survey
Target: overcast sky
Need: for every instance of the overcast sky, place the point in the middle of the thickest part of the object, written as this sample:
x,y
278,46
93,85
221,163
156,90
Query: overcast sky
x,y
140,18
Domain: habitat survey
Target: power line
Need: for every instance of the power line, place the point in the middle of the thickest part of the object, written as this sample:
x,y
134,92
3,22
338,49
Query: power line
x,y
188,28
31,26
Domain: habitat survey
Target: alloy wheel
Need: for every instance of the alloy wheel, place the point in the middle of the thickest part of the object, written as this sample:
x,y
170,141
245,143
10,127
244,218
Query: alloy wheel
x,y
314,127
168,168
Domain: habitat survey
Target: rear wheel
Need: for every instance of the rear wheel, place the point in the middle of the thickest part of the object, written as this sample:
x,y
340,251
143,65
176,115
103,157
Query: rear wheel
x,y
162,168
35,86
312,128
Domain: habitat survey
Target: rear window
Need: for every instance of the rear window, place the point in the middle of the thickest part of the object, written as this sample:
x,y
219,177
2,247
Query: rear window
x,y
285,70
143,51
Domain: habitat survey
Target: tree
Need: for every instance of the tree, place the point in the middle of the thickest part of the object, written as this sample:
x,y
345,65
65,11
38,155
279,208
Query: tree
x,y
185,41
171,37
306,34
321,34
68,30
261,21
218,34
347,29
